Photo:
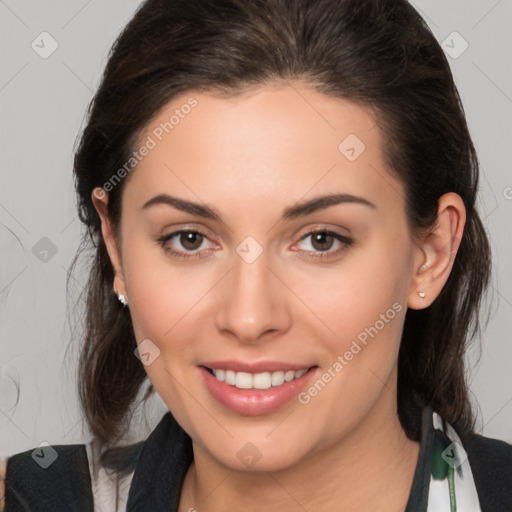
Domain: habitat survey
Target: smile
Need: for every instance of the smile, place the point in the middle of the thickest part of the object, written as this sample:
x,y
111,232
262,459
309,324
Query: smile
x,y
255,388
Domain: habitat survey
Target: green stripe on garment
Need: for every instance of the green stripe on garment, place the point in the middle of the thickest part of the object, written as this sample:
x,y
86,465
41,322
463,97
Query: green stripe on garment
x,y
438,464
451,486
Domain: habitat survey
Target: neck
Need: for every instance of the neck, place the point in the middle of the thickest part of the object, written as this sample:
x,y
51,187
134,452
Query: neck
x,y
371,469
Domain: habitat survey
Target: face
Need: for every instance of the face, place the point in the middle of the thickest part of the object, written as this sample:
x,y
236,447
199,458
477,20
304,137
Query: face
x,y
257,286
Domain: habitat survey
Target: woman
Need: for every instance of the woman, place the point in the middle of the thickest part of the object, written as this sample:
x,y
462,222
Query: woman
x,y
281,197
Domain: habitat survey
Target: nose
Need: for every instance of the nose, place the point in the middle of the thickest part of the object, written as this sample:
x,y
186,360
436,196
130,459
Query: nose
x,y
253,302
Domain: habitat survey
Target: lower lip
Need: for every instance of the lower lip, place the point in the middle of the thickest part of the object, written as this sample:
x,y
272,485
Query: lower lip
x,y
254,402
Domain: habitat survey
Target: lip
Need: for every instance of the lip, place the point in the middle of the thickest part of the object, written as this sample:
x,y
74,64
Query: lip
x,y
255,402
259,367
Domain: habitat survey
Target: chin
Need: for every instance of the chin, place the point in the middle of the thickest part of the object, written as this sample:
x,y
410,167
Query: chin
x,y
258,453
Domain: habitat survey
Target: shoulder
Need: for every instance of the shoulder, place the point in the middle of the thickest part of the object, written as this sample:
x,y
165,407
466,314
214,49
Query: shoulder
x,y
48,478
496,448
491,464
495,453
70,477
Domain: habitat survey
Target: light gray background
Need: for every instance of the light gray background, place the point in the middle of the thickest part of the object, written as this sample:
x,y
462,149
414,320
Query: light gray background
x,y
43,103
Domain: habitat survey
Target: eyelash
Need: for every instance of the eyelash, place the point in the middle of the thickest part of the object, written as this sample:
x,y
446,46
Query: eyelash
x,y
318,255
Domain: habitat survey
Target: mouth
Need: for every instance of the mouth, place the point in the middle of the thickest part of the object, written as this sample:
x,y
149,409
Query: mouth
x,y
265,389
263,380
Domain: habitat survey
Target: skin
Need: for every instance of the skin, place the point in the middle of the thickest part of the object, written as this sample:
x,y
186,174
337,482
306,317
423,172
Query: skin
x,y
250,157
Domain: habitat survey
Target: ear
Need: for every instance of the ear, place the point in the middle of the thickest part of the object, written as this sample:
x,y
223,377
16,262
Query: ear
x,y
100,201
434,257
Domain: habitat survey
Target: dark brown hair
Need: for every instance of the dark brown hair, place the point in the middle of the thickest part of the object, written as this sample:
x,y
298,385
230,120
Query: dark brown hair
x,y
379,54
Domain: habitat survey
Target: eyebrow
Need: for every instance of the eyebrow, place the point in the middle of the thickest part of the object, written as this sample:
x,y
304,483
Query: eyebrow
x,y
290,213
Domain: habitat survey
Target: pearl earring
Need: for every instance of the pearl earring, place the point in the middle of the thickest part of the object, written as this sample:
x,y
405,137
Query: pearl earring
x,y
422,294
122,299
423,267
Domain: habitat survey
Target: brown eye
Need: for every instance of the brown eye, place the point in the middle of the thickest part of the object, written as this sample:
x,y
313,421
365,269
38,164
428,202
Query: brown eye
x,y
322,240
184,244
191,240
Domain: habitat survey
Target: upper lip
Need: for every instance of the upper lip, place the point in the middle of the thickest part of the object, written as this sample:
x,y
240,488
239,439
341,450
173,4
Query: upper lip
x,y
254,367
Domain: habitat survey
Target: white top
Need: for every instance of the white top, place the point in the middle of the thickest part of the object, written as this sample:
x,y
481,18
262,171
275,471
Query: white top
x,y
109,490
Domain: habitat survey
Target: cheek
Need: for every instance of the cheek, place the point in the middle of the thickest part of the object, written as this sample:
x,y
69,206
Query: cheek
x,y
170,304
363,303
159,293
354,294
163,299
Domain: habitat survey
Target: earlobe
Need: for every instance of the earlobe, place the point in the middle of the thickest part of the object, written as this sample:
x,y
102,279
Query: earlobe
x,y
437,252
100,201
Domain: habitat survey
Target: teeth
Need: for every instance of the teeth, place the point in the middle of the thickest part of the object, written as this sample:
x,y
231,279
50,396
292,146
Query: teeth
x,y
265,380
229,377
243,380
276,379
288,376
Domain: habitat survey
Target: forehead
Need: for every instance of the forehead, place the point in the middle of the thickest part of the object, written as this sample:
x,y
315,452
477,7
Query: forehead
x,y
271,142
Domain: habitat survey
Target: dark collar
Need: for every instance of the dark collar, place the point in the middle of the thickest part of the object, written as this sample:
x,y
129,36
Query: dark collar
x,y
167,454
163,462
418,497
